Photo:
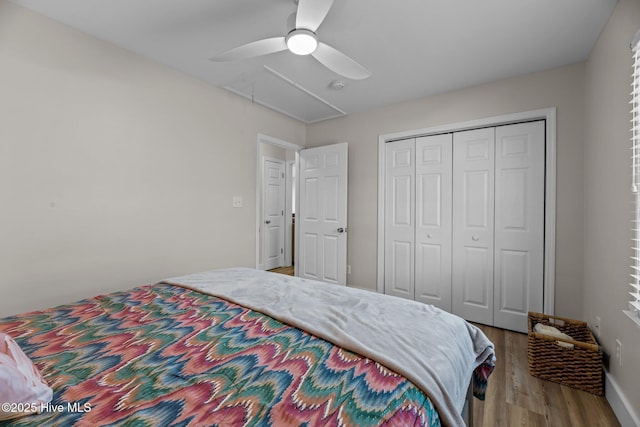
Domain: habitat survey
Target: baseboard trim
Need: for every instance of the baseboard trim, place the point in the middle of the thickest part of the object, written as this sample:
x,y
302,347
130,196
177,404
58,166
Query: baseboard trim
x,y
619,403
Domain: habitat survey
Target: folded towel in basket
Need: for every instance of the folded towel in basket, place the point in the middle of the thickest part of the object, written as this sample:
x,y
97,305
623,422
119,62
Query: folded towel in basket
x,y
554,332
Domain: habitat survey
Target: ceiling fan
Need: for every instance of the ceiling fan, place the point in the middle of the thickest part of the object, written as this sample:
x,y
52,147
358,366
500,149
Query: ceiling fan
x,y
302,40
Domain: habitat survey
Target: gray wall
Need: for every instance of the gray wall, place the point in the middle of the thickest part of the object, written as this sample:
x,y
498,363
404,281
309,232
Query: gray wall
x,y
607,204
116,171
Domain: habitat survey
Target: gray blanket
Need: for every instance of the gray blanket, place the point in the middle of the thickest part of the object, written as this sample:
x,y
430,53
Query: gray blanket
x,y
436,350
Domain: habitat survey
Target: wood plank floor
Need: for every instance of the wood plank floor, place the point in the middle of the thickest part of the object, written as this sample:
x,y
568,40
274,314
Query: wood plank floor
x,y
514,398
283,270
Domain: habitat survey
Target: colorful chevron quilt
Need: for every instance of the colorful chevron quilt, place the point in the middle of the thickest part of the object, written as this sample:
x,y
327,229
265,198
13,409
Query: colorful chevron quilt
x,y
164,355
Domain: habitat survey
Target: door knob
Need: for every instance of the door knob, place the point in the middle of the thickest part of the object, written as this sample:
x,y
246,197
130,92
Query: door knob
x,y
429,236
342,230
475,238
267,222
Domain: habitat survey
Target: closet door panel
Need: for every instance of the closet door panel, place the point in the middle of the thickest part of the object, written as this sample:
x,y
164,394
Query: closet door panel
x,y
519,223
473,225
512,278
400,218
475,285
433,220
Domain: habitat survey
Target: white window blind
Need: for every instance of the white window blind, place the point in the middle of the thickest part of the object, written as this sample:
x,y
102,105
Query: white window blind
x,y
634,303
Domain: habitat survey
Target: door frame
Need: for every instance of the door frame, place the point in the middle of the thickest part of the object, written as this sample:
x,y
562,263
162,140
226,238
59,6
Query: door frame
x,y
261,138
547,114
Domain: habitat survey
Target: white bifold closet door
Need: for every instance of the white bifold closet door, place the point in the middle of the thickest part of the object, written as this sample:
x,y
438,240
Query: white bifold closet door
x,y
473,208
498,224
399,279
433,221
464,222
519,224
418,225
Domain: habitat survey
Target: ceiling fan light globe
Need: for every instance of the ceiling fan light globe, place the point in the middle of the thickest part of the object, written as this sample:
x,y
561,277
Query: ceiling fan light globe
x,y
302,42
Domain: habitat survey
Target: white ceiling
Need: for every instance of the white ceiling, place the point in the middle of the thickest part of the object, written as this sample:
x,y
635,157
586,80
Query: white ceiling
x,y
414,48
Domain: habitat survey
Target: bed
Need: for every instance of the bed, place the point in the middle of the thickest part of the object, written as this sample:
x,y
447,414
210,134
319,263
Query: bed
x,y
242,347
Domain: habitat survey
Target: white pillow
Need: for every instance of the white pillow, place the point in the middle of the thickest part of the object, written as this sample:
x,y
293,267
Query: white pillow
x,y
22,388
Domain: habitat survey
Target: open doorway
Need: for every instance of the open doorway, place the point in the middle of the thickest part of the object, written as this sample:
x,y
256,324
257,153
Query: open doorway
x,y
277,162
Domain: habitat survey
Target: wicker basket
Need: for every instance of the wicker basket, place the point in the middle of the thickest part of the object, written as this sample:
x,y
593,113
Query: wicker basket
x,y
578,367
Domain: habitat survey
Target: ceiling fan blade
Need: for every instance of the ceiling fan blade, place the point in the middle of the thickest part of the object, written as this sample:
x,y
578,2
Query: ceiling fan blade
x,y
337,61
311,13
250,50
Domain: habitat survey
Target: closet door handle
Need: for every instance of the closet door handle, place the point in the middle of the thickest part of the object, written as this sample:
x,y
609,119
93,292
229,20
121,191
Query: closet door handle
x,y
475,238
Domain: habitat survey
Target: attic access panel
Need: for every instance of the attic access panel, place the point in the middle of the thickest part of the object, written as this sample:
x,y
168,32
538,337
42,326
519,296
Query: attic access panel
x,y
273,90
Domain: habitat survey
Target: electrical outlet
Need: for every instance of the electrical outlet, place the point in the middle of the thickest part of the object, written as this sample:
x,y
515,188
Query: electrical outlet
x,y
237,201
596,326
619,352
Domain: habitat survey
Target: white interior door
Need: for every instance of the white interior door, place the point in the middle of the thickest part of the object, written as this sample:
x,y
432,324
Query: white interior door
x,y
399,277
473,224
273,213
519,223
322,217
433,220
